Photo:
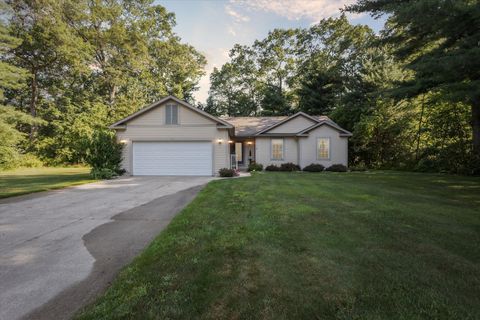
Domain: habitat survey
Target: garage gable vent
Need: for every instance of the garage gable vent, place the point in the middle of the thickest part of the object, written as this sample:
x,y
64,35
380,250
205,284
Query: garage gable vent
x,y
171,116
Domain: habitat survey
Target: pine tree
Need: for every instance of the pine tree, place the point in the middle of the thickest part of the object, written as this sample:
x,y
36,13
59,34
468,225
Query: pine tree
x,y
439,40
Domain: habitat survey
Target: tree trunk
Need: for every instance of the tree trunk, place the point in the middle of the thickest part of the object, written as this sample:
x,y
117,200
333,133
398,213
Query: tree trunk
x,y
33,103
476,125
111,98
419,131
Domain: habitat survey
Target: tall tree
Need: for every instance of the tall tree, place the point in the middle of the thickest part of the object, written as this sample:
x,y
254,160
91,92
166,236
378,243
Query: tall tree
x,y
331,54
93,62
439,40
11,77
276,67
46,44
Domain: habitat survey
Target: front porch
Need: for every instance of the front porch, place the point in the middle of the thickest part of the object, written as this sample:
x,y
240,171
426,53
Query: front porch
x,y
242,153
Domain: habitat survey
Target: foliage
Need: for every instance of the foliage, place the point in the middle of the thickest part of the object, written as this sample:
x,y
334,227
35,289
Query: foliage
x,y
440,47
87,64
358,167
289,166
283,167
379,139
406,94
337,168
308,246
272,167
314,167
104,154
29,160
11,78
255,167
290,70
410,94
103,173
226,172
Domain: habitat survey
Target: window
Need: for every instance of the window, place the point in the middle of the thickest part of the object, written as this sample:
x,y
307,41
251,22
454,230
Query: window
x,y
277,149
171,114
323,148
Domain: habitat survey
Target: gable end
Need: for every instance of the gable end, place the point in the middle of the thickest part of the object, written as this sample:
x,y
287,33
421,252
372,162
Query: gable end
x,y
121,124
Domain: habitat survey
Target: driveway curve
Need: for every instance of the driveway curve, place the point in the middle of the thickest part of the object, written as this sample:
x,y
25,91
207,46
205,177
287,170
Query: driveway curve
x,y
66,245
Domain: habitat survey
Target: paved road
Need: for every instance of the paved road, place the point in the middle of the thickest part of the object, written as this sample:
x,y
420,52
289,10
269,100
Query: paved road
x,y
61,248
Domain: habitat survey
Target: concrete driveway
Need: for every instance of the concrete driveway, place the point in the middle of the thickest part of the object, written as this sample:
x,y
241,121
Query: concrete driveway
x,y
59,249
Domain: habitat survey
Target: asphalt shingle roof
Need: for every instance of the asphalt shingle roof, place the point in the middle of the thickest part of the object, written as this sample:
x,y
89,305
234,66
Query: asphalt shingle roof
x,y
248,126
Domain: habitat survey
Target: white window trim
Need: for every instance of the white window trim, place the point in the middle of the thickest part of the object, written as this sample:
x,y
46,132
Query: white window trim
x,y
329,148
271,149
178,114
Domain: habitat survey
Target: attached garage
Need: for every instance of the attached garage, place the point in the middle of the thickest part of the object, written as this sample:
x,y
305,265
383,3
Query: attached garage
x,y
173,138
179,158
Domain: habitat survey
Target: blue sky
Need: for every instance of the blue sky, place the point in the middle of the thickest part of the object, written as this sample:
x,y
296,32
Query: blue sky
x,y
214,26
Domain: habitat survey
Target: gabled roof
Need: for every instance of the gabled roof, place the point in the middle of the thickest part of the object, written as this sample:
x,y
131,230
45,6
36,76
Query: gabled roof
x,y
330,123
286,120
121,124
248,126
252,126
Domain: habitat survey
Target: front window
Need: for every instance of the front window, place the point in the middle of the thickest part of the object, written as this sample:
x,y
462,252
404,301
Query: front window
x,y
171,114
277,149
323,148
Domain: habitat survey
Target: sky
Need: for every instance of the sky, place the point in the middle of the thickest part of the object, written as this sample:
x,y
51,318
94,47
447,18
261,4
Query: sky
x,y
213,27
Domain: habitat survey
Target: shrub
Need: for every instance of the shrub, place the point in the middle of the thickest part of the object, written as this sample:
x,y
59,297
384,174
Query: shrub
x,y
255,167
337,168
314,167
29,160
289,166
104,155
9,160
225,172
9,157
358,167
272,167
426,165
103,173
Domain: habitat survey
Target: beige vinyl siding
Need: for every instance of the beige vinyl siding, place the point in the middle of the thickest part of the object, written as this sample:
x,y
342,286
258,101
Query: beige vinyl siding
x,y
263,151
338,147
150,126
156,116
221,157
294,125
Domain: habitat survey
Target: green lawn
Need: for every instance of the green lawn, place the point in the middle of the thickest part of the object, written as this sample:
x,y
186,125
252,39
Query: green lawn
x,y
28,180
363,245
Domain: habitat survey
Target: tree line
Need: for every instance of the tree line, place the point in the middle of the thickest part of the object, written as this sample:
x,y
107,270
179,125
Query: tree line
x,y
410,94
68,68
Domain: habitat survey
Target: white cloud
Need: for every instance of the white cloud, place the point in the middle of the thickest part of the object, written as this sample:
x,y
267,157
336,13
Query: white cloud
x,y
237,17
314,10
231,30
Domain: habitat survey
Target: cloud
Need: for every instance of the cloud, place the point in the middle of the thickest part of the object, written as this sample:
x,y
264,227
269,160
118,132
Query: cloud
x,y
237,17
313,10
231,30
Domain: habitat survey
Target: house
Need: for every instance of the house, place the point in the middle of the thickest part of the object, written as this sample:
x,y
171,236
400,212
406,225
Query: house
x,y
171,137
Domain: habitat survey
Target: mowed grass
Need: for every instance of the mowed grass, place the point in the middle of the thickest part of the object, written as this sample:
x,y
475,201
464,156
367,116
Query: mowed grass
x,y
363,245
28,180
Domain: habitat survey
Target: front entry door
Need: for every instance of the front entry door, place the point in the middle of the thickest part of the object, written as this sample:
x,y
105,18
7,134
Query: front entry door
x,y
250,152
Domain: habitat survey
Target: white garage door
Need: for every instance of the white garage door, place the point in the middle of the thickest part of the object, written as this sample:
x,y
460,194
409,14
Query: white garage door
x,y
172,158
